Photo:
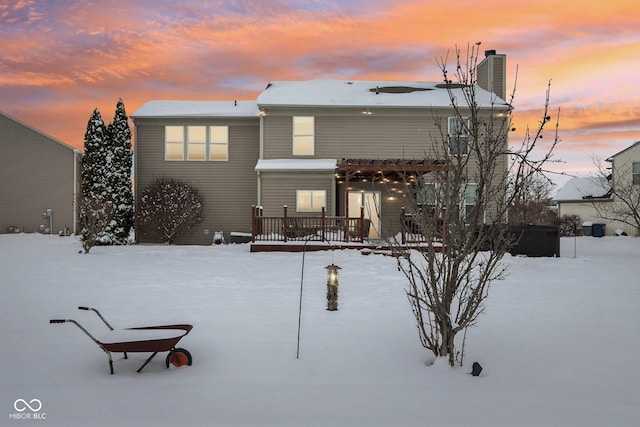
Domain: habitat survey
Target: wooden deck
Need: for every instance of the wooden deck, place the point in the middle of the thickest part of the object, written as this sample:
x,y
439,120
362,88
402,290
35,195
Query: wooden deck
x,y
320,233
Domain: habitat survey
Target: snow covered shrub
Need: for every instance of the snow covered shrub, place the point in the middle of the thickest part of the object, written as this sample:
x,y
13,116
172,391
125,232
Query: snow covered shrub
x,y
570,225
169,208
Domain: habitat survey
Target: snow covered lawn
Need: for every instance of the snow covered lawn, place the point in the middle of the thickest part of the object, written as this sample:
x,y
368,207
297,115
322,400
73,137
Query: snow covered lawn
x,y
559,341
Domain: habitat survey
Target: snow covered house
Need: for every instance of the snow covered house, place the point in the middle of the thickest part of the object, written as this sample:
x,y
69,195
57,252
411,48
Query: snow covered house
x,y
592,198
40,177
319,146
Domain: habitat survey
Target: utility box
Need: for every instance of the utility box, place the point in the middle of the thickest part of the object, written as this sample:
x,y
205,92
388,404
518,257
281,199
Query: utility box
x,y
535,240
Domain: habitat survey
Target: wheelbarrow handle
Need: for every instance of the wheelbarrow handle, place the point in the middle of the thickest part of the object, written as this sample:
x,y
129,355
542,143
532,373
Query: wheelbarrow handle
x,y
99,315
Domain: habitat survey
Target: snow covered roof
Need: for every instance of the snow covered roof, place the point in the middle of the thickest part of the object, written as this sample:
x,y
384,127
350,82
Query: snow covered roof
x,y
583,188
296,165
360,93
197,109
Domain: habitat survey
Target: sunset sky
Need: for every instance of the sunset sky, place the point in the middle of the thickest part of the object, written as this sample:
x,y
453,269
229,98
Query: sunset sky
x,y
61,59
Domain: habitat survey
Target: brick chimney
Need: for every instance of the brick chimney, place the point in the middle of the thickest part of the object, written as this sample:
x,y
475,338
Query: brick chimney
x,y
492,73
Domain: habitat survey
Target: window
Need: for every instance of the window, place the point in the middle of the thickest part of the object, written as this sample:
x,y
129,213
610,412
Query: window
x,y
219,143
430,197
469,202
426,197
303,136
196,143
310,200
636,173
174,142
458,135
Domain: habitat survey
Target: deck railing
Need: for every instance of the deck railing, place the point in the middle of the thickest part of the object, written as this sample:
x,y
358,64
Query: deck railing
x,y
287,228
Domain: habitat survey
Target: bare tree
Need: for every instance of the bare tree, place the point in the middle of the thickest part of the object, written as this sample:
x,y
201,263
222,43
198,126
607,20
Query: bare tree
x,y
624,182
462,211
532,204
169,208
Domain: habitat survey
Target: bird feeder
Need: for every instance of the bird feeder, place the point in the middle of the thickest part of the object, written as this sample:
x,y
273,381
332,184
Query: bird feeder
x,y
332,286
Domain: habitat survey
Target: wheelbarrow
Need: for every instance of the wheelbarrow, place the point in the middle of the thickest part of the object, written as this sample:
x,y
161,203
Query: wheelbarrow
x,y
146,339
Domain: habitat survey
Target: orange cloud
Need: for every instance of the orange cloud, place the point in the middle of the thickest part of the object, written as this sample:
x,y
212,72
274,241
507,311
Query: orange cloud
x,y
62,59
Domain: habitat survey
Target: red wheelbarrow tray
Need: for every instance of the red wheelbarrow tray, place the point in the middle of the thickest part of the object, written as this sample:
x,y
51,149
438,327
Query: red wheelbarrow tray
x,y
147,339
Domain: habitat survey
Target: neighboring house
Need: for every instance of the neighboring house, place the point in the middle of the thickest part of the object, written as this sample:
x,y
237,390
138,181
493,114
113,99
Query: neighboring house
x,y
579,197
594,201
40,179
625,182
309,145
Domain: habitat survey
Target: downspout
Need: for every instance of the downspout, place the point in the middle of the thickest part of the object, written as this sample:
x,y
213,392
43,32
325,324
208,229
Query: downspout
x,y
75,190
261,156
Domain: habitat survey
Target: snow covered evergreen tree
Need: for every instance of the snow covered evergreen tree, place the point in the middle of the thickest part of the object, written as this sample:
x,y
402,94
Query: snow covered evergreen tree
x,y
93,212
119,160
107,207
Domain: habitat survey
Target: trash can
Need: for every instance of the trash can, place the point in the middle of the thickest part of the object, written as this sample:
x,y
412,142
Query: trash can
x,y
598,230
587,228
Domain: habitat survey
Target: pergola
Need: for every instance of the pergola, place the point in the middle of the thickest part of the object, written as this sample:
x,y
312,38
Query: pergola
x,y
351,169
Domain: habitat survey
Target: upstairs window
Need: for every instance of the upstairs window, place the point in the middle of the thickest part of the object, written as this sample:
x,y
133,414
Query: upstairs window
x,y
303,136
636,173
196,143
219,143
174,142
458,135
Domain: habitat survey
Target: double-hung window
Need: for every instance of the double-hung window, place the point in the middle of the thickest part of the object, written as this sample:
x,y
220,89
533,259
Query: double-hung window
x,y
303,136
458,135
469,202
310,200
219,143
174,142
635,179
426,197
196,143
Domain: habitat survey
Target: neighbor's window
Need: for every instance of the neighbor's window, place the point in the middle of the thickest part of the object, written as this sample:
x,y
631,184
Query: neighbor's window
x,y
196,142
174,142
219,143
636,173
310,200
458,135
303,136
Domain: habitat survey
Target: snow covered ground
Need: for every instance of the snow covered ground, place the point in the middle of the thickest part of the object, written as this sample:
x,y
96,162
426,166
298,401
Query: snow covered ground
x,y
559,341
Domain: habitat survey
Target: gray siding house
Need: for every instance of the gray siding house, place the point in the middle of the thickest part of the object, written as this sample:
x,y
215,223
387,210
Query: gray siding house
x,y
40,181
310,145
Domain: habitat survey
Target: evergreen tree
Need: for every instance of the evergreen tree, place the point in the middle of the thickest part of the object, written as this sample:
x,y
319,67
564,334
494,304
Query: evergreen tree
x,y
93,212
119,162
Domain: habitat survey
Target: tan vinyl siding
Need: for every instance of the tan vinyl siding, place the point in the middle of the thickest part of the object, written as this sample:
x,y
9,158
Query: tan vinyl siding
x,y
279,189
348,133
37,173
228,187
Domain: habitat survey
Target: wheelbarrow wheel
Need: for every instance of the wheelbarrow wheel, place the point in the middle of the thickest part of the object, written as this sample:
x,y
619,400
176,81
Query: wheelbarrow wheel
x,y
179,357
